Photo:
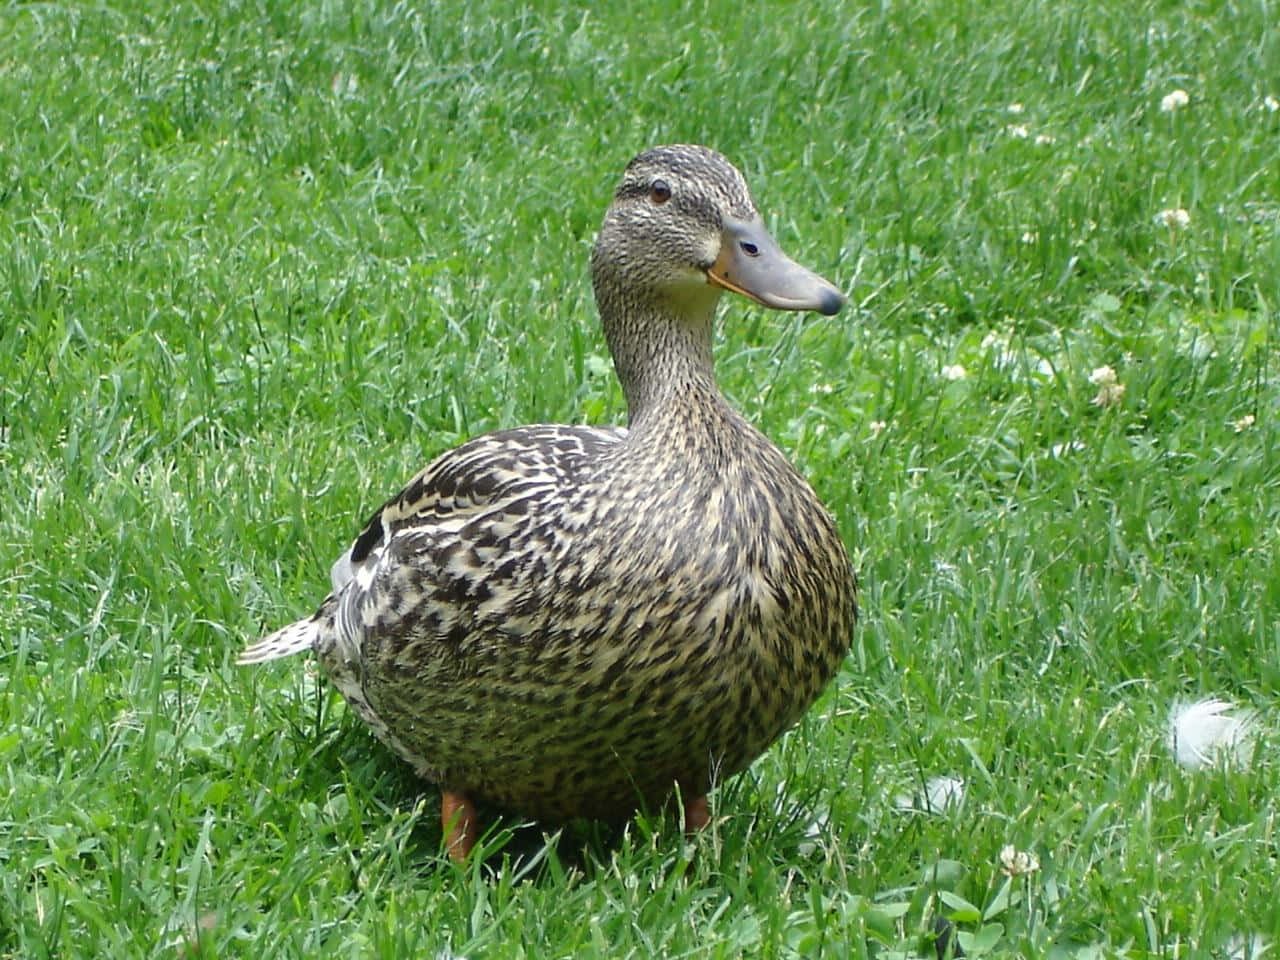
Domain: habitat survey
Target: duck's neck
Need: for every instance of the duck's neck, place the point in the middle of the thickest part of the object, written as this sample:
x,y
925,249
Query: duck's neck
x,y
662,352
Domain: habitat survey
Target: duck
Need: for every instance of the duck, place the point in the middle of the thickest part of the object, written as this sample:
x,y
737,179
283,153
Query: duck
x,y
572,621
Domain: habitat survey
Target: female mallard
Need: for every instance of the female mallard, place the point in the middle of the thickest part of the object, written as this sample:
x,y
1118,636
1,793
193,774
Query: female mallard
x,y
570,620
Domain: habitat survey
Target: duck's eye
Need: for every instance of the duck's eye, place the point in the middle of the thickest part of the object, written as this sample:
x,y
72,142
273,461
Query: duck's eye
x,y
659,192
750,249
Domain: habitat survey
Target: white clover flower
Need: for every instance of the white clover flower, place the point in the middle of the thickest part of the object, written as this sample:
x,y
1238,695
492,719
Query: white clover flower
x,y
876,427
1017,863
1103,376
1109,395
1271,103
1201,732
1244,423
954,371
1018,131
1175,218
1110,390
1174,100
939,795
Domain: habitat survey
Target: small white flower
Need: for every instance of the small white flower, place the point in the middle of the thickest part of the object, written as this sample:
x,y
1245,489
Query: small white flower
x,y
1271,103
1017,863
1174,100
1043,139
876,427
1175,218
1202,731
1103,376
1015,108
1030,236
1110,390
1109,395
939,795
820,388
954,371
1018,131
1244,423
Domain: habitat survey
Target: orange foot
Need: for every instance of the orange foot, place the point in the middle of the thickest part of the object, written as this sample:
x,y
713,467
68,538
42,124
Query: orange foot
x,y
696,814
458,818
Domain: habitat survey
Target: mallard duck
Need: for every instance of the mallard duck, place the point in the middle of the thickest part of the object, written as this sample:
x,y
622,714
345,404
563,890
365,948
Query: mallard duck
x,y
568,621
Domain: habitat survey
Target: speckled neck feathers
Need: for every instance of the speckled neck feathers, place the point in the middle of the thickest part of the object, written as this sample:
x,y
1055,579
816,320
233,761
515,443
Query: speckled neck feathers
x,y
656,306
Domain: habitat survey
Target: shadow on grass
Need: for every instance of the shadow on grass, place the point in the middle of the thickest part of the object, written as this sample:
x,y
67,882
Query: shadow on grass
x,y
348,760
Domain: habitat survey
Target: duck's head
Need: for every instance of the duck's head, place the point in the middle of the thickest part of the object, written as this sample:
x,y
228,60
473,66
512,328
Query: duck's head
x,y
683,227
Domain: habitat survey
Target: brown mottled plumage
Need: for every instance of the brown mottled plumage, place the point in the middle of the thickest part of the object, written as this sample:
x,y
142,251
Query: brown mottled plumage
x,y
570,620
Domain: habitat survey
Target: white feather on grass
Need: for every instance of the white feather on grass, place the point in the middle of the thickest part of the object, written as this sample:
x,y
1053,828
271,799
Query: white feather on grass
x,y
815,832
939,795
1201,733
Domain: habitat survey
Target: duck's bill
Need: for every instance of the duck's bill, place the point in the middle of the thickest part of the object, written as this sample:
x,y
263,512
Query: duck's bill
x,y
751,263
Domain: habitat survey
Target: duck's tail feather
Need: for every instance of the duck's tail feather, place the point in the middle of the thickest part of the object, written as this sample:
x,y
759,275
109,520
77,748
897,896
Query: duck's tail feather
x,y
295,638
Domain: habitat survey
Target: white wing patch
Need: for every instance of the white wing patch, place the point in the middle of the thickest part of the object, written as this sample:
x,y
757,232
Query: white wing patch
x,y
341,573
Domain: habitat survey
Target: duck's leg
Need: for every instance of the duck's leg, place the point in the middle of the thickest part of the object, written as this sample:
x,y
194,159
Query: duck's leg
x,y
696,814
458,819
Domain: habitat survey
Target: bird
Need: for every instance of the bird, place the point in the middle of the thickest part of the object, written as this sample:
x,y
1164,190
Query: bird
x,y
566,621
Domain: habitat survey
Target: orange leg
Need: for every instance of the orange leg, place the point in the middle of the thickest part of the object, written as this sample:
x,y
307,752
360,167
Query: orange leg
x,y
696,814
458,818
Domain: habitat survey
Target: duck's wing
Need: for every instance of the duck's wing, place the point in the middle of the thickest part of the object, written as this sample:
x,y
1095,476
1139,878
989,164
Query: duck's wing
x,y
465,495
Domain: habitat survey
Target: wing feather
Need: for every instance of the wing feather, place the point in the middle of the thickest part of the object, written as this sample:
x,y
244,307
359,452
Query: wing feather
x,y
434,540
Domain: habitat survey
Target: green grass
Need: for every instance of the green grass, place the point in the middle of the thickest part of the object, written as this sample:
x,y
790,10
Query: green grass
x,y
259,260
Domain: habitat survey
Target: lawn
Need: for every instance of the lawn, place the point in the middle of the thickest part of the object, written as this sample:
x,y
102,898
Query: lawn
x,y
260,260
